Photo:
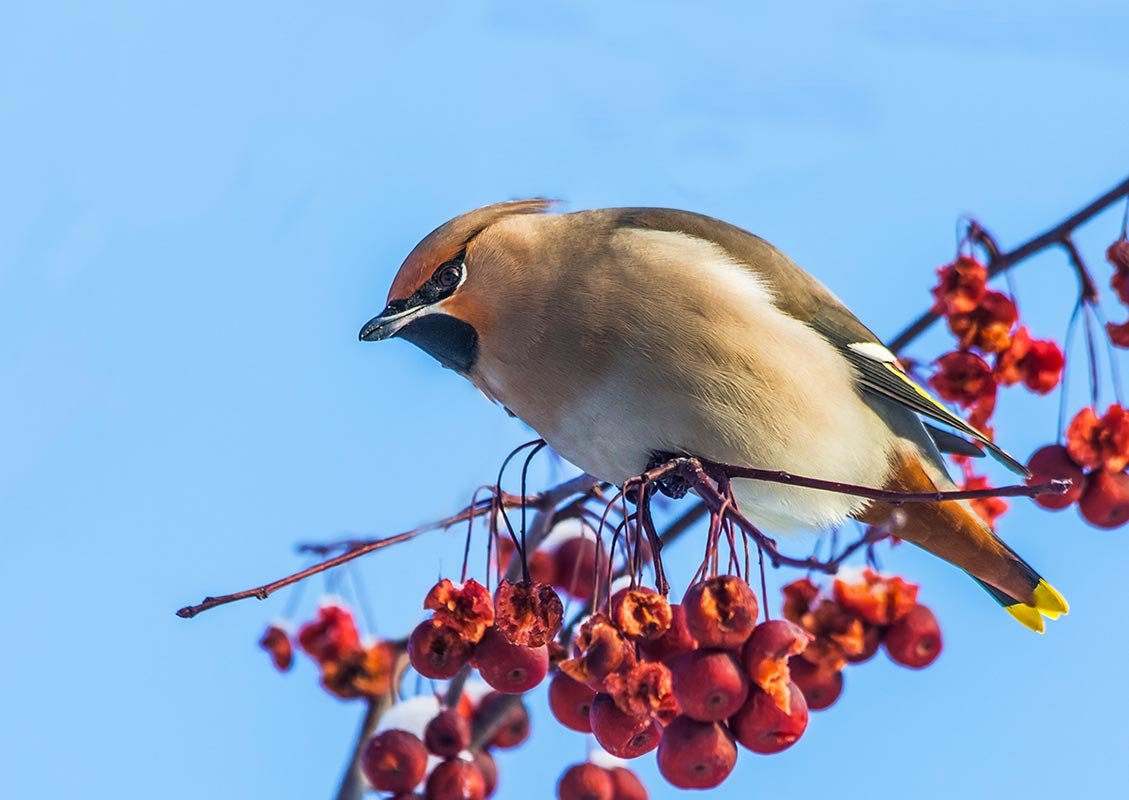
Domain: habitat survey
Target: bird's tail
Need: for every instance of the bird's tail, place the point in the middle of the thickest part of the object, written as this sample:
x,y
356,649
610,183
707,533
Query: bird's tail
x,y
952,530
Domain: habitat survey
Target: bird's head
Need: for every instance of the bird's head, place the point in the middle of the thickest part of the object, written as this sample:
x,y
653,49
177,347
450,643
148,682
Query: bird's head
x,y
437,302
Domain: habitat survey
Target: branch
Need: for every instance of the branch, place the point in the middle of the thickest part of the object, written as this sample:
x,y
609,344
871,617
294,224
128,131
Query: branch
x,y
999,262
545,500
701,476
689,470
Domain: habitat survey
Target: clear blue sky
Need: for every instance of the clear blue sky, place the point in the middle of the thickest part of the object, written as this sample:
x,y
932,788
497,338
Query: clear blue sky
x,y
203,201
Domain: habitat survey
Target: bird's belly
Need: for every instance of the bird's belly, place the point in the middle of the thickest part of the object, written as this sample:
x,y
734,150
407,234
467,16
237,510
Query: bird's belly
x,y
826,432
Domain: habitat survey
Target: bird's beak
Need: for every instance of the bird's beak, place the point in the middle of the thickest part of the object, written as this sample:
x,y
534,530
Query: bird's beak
x,y
387,324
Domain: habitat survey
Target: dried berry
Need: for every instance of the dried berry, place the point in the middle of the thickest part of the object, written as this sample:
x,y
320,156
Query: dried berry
x,y
527,614
644,689
988,325
332,636
960,286
766,654
1038,363
277,643
876,599
677,638
467,608
362,673
640,613
600,650
964,378
1099,443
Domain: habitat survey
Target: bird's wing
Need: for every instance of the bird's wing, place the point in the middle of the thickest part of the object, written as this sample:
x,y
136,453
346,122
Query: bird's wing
x,y
877,370
948,442
801,296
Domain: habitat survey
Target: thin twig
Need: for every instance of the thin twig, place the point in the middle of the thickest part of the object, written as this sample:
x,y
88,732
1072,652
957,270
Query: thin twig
x,y
1001,262
546,499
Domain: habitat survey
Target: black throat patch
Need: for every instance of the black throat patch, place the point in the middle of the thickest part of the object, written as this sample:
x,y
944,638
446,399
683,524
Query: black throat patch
x,y
451,342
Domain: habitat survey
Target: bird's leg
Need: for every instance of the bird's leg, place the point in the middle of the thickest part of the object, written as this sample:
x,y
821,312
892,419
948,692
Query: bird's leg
x,y
674,485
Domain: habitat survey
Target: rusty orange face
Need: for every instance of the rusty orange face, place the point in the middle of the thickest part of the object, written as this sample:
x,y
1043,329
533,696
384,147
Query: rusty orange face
x,y
421,304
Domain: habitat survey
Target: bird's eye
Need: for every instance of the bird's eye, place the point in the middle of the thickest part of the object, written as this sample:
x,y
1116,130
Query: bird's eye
x,y
449,275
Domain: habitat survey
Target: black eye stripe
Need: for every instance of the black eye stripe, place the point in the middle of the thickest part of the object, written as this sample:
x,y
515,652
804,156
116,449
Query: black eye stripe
x,y
433,290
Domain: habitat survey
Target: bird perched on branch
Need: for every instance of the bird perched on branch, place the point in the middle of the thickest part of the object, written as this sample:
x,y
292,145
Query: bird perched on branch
x,y
619,334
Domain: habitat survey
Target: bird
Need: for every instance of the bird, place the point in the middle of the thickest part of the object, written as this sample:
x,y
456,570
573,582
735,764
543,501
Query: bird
x,y
619,334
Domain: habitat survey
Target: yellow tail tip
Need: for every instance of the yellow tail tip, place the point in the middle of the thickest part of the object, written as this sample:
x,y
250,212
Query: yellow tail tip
x,y
1045,602
1049,602
1028,616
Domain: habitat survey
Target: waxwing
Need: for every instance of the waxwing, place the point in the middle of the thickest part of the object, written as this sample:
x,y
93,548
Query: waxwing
x,y
619,334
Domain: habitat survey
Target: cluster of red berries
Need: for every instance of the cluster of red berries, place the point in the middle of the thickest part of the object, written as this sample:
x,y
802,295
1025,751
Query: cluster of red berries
x,y
985,324
1094,460
431,748
848,627
350,668
691,680
505,636
1118,256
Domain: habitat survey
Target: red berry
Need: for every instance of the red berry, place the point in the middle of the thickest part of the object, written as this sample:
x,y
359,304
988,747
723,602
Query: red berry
x,y
489,770
570,701
1106,501
513,727
764,727
627,785
914,640
542,567
394,761
676,640
696,755
586,782
575,570
448,734
510,668
709,684
622,735
721,612
455,779
821,686
1053,462
436,650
